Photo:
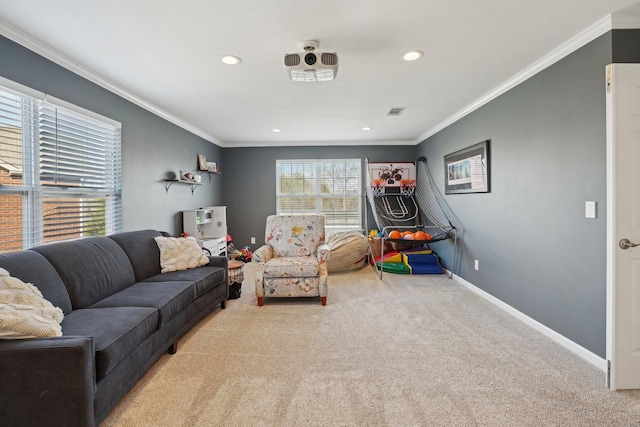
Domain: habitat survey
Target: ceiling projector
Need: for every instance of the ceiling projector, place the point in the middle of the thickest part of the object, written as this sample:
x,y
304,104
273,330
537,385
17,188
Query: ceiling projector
x,y
311,65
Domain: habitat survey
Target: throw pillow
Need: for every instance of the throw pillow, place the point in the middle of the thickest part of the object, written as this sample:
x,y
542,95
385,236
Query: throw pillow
x,y
24,312
180,253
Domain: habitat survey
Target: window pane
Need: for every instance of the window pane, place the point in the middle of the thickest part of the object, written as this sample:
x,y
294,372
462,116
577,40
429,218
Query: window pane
x,y
60,172
10,155
73,217
74,150
297,205
296,178
17,118
11,208
334,184
341,211
352,186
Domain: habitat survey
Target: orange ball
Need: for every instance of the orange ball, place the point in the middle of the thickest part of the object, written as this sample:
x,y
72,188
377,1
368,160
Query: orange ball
x,y
420,235
394,234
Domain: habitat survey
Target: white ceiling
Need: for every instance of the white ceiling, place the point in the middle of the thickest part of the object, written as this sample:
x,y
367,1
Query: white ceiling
x,y
165,55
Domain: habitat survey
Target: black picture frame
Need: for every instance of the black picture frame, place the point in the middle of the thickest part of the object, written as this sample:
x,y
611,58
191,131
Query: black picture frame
x,y
468,170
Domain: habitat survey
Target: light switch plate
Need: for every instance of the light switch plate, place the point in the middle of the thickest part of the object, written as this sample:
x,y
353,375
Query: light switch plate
x,y
590,209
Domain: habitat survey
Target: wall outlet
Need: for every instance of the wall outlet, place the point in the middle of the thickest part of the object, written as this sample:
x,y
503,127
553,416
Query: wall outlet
x,y
476,265
253,240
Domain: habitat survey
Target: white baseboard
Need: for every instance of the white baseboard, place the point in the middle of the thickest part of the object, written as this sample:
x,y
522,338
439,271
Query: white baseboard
x,y
587,355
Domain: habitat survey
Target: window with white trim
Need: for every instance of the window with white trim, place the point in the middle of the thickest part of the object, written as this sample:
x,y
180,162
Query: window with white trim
x,y
60,170
332,188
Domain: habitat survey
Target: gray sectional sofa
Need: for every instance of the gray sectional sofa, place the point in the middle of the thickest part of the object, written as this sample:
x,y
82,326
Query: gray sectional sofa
x,y
121,316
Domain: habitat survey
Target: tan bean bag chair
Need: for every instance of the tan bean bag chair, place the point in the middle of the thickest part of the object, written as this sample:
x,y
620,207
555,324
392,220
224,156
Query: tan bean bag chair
x,y
348,251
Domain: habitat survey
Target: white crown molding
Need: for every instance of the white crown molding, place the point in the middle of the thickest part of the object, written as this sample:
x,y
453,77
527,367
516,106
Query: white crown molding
x,y
53,55
609,22
242,144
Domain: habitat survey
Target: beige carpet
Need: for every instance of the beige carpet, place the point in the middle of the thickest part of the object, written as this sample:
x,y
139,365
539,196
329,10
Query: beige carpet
x,y
402,351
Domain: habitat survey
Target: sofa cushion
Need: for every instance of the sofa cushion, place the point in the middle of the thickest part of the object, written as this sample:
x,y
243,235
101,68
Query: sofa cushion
x,y
142,251
180,253
32,267
204,278
167,297
116,331
292,267
91,268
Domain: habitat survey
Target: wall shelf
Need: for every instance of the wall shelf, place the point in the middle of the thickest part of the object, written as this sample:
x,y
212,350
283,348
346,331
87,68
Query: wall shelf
x,y
169,182
210,173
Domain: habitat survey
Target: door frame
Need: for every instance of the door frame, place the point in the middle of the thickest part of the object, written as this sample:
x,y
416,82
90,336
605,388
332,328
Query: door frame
x,y
612,281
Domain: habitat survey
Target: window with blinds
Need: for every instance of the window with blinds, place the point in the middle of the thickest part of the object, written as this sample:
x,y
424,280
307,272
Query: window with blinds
x,y
60,170
328,187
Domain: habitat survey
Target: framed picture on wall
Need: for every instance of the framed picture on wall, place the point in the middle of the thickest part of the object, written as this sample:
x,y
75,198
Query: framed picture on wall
x,y
467,170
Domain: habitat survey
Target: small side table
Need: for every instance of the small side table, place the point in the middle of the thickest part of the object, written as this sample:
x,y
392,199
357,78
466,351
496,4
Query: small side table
x,y
236,277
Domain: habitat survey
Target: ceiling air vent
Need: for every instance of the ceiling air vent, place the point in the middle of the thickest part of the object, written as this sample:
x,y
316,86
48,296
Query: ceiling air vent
x,y
396,111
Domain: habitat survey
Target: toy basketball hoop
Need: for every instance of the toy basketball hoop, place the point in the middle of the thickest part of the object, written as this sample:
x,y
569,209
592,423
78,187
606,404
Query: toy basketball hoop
x,y
377,187
407,187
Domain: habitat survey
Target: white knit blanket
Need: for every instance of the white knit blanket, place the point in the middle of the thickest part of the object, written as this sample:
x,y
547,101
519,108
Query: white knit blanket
x,y
24,312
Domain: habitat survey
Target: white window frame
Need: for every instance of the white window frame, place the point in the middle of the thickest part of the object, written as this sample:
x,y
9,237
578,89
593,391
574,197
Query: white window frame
x,y
332,223
101,188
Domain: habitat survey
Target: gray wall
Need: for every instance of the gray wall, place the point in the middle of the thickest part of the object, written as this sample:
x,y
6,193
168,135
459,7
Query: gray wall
x,y
250,181
537,251
626,46
151,146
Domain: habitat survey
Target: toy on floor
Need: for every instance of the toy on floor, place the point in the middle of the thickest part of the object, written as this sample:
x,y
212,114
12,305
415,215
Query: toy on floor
x,y
244,255
412,261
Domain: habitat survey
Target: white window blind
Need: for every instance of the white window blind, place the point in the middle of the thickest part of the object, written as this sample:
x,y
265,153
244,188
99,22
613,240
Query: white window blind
x,y
60,172
328,187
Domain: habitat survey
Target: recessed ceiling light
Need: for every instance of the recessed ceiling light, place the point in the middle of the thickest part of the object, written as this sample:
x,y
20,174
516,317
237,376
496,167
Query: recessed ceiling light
x,y
231,60
275,130
412,55
367,128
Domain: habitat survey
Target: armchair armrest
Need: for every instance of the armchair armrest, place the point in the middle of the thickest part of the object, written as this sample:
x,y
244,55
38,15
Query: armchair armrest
x,y
48,381
324,253
263,254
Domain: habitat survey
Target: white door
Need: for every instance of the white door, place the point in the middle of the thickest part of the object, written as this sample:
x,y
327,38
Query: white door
x,y
623,222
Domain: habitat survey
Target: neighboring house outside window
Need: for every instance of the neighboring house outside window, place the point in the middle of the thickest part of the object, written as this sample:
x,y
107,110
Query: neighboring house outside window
x,y
332,188
60,170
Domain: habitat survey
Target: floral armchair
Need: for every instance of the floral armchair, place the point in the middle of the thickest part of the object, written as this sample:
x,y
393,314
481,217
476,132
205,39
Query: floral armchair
x,y
293,261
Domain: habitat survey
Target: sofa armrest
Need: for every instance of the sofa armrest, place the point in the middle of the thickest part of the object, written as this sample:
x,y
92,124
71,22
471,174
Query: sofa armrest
x,y
222,262
48,381
219,261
